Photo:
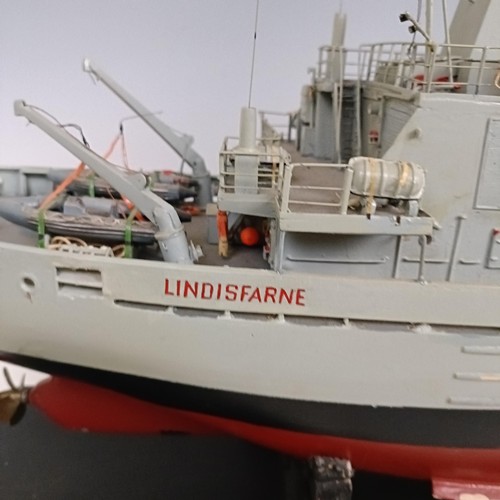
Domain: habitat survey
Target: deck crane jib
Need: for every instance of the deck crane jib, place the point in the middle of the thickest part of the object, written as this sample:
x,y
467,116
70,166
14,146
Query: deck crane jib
x,y
170,236
181,144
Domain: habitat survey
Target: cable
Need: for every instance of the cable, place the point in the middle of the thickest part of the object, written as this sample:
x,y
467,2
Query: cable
x,y
253,52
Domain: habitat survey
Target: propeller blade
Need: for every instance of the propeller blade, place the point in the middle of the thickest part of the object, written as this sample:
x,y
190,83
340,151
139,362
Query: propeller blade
x,y
13,401
8,378
12,406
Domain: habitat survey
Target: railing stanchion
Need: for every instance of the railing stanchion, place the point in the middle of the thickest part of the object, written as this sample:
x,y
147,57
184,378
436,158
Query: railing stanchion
x,y
346,190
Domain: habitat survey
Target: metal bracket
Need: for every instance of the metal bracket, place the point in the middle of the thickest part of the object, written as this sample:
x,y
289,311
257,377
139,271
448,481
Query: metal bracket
x,y
330,478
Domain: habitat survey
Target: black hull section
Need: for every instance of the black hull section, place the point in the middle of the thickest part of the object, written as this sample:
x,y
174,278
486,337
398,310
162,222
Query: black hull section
x,y
454,428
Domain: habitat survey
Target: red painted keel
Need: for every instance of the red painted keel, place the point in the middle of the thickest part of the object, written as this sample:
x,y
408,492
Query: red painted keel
x,y
78,406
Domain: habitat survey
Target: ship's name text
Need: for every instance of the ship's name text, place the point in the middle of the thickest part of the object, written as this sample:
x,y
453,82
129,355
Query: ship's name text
x,y
234,293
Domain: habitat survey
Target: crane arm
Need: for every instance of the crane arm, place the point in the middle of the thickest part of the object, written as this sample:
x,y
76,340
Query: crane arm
x,y
180,144
171,235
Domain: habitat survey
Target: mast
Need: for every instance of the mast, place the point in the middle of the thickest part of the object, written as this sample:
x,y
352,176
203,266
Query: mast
x,y
429,17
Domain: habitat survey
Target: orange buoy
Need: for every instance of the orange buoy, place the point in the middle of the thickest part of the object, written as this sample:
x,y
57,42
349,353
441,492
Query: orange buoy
x,y
249,236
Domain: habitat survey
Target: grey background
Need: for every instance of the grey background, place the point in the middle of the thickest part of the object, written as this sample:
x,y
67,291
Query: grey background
x,y
190,59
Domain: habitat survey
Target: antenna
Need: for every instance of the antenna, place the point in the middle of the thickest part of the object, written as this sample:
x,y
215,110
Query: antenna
x,y
253,51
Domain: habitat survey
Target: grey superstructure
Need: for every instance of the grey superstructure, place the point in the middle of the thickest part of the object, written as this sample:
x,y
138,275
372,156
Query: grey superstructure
x,y
366,324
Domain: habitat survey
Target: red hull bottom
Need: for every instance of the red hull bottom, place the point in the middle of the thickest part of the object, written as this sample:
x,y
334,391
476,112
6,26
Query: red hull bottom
x,y
76,405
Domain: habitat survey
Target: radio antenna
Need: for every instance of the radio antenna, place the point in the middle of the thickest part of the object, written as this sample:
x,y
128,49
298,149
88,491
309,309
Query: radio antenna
x,y
253,51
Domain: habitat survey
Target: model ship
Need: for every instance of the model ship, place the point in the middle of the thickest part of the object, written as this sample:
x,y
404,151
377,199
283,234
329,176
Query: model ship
x,y
360,320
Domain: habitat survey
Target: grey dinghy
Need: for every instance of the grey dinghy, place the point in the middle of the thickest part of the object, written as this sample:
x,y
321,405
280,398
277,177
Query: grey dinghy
x,y
105,227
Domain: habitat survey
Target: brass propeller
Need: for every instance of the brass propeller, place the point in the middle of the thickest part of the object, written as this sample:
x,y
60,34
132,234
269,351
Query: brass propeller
x,y
13,401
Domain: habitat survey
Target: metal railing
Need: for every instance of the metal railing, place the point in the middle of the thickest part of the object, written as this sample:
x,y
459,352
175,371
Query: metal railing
x,y
293,196
277,126
348,62
447,67
271,160
425,67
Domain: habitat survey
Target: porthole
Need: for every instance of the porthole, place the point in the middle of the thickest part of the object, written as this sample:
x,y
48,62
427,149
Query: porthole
x,y
28,284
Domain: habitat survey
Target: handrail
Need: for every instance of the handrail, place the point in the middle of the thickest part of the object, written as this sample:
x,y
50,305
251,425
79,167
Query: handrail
x,y
452,67
270,160
339,201
467,66
272,130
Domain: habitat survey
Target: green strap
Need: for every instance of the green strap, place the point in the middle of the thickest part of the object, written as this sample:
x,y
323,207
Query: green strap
x,y
41,229
128,234
92,185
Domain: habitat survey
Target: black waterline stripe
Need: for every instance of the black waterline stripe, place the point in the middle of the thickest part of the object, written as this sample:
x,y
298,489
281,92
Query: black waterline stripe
x,y
413,426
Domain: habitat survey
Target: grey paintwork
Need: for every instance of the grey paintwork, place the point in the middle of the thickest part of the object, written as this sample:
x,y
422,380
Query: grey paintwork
x,y
395,304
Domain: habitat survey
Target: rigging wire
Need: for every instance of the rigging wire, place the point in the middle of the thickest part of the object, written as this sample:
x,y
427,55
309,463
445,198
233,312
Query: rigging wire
x,y
63,125
253,52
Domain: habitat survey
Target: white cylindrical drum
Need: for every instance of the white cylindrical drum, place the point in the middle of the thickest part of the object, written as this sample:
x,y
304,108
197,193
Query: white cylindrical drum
x,y
397,180
248,128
